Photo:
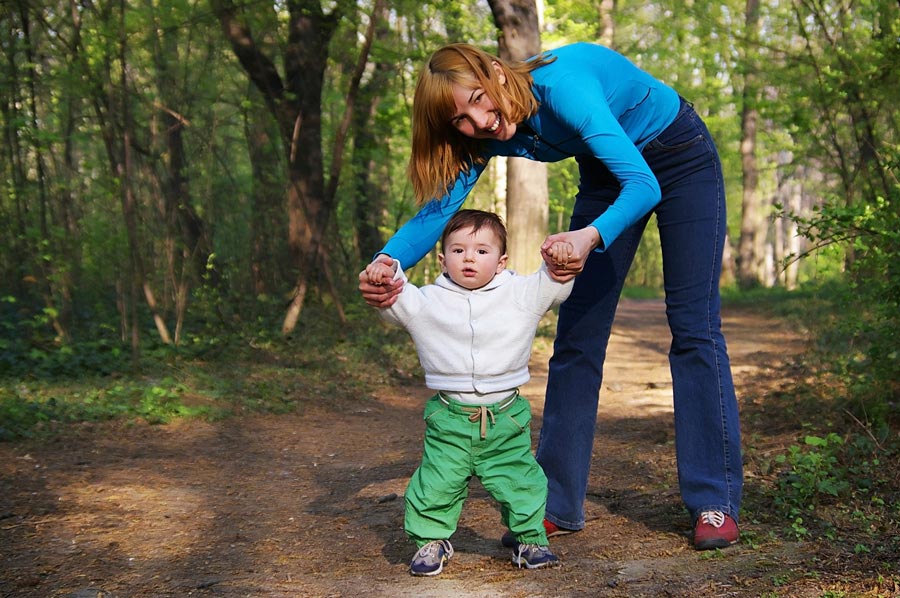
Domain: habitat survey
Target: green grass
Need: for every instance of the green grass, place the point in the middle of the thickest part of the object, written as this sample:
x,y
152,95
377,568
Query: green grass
x,y
324,362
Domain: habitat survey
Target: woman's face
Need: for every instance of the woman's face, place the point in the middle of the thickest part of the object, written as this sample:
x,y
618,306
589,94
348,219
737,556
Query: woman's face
x,y
477,116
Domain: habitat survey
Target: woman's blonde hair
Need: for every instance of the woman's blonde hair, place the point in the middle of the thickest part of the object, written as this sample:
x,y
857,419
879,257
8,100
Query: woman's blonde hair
x,y
439,151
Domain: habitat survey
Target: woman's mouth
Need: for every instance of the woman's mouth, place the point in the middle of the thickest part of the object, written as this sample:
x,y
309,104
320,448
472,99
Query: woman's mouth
x,y
496,125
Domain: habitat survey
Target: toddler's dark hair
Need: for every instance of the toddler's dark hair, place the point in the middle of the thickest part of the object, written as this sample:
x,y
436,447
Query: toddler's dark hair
x,y
476,220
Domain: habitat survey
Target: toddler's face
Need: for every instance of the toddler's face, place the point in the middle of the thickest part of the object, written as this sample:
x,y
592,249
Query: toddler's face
x,y
472,258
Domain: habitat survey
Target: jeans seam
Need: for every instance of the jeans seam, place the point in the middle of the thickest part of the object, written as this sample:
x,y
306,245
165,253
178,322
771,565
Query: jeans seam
x,y
713,281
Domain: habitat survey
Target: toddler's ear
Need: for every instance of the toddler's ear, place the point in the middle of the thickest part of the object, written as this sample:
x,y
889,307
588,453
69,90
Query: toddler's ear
x,y
501,265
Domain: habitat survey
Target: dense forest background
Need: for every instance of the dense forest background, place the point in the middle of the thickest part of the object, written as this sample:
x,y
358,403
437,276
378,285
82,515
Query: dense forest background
x,y
189,190
177,172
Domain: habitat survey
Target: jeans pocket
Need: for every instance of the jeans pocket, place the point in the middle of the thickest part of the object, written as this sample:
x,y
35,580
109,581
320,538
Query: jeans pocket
x,y
674,144
685,131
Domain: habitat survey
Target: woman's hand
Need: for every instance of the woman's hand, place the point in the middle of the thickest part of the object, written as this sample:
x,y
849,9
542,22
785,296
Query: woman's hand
x,y
376,289
565,253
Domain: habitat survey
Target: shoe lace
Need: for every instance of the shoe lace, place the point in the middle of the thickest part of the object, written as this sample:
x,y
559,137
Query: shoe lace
x,y
713,518
431,549
532,550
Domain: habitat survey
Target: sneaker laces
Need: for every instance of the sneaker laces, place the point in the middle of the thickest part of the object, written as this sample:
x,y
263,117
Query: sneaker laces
x,y
532,548
713,518
431,549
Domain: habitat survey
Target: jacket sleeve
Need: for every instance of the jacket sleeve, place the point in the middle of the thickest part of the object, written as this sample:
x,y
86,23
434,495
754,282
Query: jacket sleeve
x,y
408,304
541,292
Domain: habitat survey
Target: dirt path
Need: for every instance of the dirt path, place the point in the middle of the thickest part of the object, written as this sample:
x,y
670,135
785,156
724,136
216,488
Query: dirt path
x,y
311,505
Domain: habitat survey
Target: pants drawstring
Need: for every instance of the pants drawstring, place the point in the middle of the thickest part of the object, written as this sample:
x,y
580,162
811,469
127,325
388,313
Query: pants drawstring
x,y
481,413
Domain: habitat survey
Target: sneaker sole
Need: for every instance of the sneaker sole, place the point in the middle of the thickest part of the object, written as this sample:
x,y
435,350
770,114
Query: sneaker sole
x,y
523,563
437,571
429,573
714,543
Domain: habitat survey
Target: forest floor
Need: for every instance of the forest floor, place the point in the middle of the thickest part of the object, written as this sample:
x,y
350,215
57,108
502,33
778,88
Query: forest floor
x,y
309,504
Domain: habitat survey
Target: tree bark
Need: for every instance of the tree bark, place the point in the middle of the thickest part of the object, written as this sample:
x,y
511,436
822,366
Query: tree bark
x,y
123,168
606,23
754,225
295,102
188,246
372,187
268,257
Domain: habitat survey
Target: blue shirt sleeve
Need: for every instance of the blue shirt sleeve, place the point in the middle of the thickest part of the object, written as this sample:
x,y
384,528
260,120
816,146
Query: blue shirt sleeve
x,y
580,104
417,237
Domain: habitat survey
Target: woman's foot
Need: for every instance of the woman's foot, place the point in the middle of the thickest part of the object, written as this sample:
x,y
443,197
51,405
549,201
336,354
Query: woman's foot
x,y
714,529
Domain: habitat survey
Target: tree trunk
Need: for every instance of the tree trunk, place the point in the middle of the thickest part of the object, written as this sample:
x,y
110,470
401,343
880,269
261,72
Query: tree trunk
x,y
527,201
295,102
527,212
372,178
606,23
53,279
754,224
123,168
187,244
268,231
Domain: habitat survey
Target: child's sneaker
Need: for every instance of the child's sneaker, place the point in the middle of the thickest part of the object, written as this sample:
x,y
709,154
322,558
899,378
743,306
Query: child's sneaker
x,y
430,559
533,556
509,539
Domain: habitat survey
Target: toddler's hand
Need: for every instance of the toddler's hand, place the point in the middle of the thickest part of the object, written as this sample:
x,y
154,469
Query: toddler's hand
x,y
560,253
379,273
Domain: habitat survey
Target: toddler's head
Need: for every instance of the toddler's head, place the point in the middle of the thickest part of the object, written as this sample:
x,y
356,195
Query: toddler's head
x,y
473,248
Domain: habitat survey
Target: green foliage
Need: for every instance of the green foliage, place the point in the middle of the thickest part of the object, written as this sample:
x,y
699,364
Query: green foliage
x,y
813,472
241,369
862,346
828,474
29,348
838,483
27,408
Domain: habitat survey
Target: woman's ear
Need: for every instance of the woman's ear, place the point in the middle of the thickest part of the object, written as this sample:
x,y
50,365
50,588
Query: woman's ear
x,y
501,75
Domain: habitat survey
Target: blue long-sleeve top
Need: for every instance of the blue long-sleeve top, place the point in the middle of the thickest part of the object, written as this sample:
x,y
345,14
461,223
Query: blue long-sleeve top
x,y
593,102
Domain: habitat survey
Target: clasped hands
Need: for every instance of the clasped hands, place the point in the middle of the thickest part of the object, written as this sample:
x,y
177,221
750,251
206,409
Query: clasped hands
x,y
564,253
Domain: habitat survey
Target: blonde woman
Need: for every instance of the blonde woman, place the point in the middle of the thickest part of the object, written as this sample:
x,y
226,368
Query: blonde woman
x,y
641,149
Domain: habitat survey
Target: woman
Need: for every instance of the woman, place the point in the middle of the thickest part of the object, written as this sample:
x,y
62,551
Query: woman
x,y
640,149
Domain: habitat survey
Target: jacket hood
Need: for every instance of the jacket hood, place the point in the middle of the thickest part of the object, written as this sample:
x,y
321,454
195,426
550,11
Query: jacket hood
x,y
445,282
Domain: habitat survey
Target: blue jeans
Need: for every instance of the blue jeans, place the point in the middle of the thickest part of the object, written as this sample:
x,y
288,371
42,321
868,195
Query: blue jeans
x,y
691,220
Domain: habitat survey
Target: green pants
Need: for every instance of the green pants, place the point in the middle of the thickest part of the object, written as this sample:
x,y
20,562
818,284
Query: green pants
x,y
493,444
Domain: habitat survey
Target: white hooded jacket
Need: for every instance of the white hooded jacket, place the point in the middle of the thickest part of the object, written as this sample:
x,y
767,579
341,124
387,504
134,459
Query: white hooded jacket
x,y
476,340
